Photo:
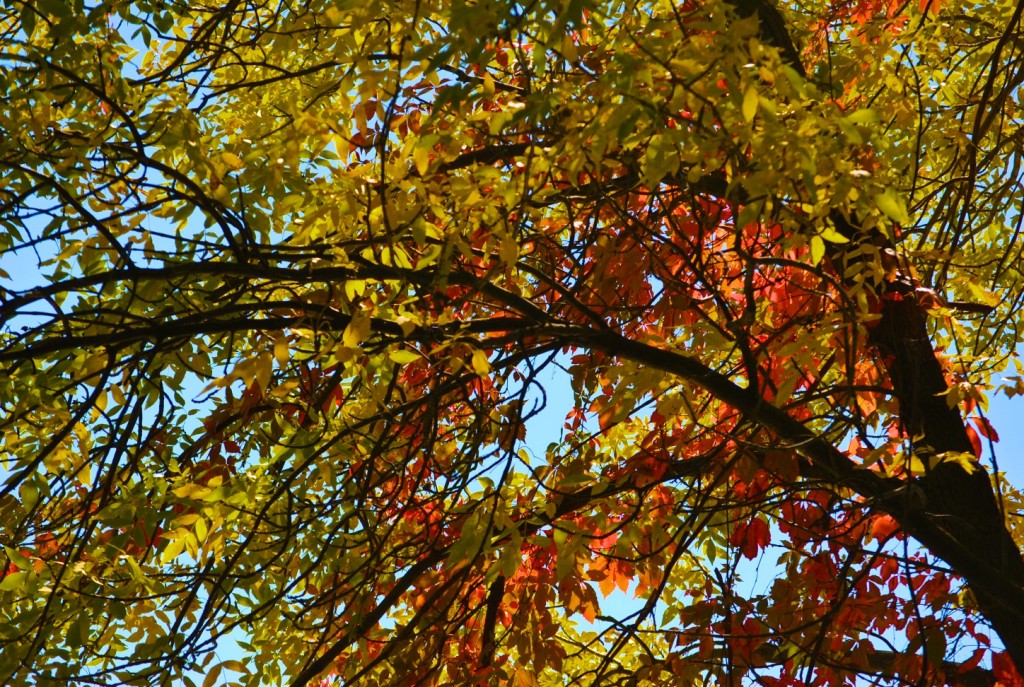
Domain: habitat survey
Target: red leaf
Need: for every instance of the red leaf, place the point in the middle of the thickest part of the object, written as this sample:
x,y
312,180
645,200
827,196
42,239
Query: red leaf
x,y
751,537
985,428
972,662
975,440
1005,672
883,527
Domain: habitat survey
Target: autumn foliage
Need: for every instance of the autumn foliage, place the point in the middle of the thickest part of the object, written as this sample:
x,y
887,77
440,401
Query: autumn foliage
x,y
512,343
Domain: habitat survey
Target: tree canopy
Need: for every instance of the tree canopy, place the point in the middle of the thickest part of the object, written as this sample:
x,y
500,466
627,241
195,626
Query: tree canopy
x,y
287,287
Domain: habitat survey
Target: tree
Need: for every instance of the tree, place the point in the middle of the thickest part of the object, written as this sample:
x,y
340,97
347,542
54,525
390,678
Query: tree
x,y
287,283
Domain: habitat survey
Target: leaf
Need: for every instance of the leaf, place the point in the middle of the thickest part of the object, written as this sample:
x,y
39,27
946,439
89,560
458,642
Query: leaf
x,y
930,7
13,581
356,331
863,116
817,249
985,428
232,160
891,204
281,351
172,550
829,233
480,363
17,558
421,160
1005,671
975,440
29,495
981,294
751,537
661,159
263,370
404,357
524,678
354,288
28,19
750,101
235,666
883,527
212,676
967,461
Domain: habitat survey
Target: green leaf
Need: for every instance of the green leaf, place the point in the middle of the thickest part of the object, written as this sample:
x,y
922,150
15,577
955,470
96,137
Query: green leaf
x,y
662,158
29,495
19,559
892,205
13,581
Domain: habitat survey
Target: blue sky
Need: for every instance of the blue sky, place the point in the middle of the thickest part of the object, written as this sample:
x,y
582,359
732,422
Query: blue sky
x,y
1007,416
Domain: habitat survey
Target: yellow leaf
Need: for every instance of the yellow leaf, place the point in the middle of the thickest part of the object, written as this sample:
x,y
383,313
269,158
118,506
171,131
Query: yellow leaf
x,y
222,194
965,460
85,475
218,494
750,104
356,331
191,491
211,677
172,551
829,233
984,297
421,158
264,370
569,50
407,324
201,530
354,288
232,160
497,121
403,357
865,116
235,666
480,363
817,249
281,352
524,678
509,250
186,519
